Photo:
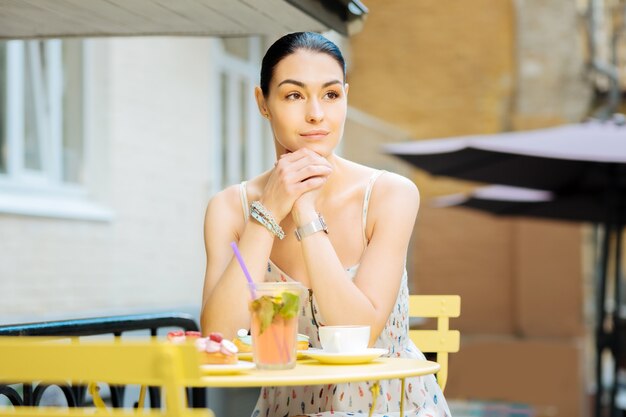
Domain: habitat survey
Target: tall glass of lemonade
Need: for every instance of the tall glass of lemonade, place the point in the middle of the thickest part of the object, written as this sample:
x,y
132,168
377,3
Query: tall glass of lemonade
x,y
274,324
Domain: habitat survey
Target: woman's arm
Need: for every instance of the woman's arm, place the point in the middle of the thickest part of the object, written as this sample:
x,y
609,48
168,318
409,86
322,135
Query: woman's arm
x,y
370,298
225,296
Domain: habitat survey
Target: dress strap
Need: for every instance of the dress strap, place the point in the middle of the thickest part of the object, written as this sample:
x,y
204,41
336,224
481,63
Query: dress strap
x,y
244,200
366,201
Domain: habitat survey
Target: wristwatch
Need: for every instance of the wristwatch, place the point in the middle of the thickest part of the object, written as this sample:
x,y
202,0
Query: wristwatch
x,y
317,225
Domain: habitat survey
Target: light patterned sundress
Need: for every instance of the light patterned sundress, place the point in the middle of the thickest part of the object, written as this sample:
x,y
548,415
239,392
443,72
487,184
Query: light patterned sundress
x,y
423,397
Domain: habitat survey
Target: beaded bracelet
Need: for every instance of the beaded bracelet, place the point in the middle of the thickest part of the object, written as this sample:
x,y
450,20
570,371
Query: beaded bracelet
x,y
263,216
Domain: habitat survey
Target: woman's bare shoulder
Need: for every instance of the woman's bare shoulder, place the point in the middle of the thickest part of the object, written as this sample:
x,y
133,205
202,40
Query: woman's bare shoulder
x,y
224,205
390,182
227,204
228,196
254,186
395,194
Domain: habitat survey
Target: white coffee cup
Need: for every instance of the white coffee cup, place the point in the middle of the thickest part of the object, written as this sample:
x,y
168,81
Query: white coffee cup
x,y
344,339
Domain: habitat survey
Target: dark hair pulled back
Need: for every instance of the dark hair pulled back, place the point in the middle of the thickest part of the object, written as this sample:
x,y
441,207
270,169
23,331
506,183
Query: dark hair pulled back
x,y
290,44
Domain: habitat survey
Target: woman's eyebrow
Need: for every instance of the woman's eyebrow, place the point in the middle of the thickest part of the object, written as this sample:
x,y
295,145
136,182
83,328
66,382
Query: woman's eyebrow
x,y
329,83
303,85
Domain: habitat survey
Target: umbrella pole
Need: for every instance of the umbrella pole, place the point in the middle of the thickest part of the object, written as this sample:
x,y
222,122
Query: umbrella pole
x,y
617,341
608,339
600,317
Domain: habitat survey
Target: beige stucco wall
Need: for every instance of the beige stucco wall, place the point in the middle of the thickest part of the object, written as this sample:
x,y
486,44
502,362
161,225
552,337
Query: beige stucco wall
x,y
151,139
441,70
435,70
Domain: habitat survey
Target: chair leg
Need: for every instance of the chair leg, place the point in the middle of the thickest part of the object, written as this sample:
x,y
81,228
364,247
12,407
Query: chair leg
x,y
442,375
142,397
94,390
402,398
375,393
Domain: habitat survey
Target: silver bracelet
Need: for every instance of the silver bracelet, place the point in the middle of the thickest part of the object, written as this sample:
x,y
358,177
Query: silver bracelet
x,y
256,216
264,217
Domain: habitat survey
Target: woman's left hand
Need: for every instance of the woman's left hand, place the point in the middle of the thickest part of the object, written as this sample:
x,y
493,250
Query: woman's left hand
x,y
304,209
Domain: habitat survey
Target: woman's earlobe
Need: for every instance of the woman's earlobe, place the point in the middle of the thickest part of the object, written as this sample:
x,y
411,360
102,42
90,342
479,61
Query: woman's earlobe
x,y
260,100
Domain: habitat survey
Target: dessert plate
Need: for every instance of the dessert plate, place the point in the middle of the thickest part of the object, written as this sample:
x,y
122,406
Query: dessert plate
x,y
342,358
247,356
227,368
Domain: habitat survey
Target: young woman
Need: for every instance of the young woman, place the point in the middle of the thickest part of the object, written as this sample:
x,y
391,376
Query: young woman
x,y
354,223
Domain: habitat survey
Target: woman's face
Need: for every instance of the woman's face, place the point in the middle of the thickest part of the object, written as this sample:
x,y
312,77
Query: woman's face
x,y
307,103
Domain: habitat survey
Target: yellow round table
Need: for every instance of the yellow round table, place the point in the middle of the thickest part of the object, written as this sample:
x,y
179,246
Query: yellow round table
x,y
312,372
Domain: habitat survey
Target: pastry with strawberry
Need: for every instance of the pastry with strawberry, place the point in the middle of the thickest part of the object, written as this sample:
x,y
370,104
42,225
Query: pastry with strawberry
x,y
215,349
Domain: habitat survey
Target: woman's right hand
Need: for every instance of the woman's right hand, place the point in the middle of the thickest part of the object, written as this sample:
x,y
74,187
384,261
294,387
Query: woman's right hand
x,y
294,174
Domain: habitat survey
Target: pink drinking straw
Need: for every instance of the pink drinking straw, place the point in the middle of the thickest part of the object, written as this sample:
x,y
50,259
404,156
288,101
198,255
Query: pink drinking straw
x,y
245,270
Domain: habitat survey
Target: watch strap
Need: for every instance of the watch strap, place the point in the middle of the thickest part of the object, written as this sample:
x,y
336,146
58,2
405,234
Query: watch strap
x,y
317,225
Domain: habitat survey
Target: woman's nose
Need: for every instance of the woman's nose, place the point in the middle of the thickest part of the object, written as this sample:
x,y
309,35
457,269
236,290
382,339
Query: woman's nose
x,y
315,112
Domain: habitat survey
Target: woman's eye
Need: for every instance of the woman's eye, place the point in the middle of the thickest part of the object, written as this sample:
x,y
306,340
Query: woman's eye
x,y
294,96
332,95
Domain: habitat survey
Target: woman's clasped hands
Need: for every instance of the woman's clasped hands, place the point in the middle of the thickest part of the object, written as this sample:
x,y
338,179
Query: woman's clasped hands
x,y
295,183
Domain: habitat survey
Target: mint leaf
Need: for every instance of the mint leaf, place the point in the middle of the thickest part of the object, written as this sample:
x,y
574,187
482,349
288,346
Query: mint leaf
x,y
267,307
289,306
263,307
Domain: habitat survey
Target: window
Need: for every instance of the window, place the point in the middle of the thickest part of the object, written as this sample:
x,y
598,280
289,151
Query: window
x,y
240,145
42,141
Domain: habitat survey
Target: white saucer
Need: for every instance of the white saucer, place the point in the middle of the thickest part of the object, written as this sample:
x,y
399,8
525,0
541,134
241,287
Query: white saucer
x,y
227,368
362,356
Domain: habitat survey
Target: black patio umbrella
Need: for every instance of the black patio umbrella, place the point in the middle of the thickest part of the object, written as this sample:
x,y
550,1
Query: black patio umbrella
x,y
567,158
583,163
503,200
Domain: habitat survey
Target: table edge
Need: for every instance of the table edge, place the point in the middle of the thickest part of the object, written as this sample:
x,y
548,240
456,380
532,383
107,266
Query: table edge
x,y
277,378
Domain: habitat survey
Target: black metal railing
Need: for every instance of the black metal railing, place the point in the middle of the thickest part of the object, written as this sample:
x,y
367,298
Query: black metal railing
x,y
20,394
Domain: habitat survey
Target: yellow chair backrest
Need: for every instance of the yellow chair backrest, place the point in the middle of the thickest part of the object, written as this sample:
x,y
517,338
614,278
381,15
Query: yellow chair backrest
x,y
443,340
153,363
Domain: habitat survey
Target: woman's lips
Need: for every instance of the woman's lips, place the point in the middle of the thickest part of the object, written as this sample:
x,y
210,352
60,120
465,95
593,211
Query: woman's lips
x,y
315,134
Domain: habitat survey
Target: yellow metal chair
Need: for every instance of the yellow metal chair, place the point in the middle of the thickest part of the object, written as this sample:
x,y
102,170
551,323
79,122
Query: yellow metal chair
x,y
151,363
443,340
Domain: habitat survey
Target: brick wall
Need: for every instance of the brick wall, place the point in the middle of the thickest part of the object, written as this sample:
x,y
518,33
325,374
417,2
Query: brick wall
x,y
433,68
152,137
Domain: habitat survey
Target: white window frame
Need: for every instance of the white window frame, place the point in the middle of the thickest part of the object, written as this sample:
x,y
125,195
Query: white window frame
x,y
43,193
260,152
